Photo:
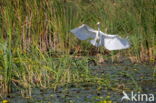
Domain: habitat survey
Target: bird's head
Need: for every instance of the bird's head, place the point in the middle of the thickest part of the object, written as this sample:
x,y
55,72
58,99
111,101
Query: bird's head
x,y
98,23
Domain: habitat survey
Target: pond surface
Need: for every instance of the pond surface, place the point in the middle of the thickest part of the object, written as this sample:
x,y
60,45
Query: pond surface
x,y
139,78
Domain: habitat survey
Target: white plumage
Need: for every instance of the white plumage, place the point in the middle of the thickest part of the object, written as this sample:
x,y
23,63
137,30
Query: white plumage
x,y
98,38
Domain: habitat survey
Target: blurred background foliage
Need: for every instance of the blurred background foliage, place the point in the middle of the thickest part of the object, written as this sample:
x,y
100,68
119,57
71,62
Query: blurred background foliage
x,y
33,32
47,24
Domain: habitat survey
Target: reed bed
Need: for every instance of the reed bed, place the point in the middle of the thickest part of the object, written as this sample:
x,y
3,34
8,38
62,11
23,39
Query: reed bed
x,y
37,48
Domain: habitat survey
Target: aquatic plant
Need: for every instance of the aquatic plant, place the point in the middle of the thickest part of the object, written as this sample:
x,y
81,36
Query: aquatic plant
x,y
35,41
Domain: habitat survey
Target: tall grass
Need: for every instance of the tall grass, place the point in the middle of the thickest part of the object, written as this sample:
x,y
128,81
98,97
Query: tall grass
x,y
35,36
48,23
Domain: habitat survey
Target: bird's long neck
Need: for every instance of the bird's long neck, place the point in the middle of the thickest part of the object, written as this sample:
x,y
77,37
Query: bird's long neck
x,y
98,30
98,27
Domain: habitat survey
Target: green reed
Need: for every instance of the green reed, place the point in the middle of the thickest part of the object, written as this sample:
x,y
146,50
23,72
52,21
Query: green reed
x,y
48,23
36,41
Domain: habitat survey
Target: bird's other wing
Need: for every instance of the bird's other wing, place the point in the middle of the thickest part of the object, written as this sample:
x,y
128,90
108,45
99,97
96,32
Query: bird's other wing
x,y
84,32
114,42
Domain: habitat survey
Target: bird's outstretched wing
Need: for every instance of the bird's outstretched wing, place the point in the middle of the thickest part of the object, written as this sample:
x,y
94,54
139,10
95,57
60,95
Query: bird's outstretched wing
x,y
84,32
114,42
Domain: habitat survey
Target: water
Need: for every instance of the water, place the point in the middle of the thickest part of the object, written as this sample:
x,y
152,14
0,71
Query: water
x,y
119,77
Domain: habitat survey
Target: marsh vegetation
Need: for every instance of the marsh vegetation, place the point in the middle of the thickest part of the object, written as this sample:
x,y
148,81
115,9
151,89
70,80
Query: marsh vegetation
x,y
37,49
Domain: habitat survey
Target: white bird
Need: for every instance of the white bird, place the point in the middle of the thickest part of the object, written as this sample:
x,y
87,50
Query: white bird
x,y
98,38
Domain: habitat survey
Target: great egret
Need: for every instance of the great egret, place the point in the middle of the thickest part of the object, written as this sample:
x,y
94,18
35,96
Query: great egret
x,y
98,38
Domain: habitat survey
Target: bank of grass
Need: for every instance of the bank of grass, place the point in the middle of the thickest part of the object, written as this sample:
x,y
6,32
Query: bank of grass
x,y
35,69
36,42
